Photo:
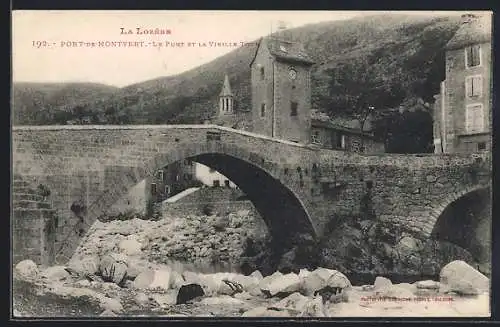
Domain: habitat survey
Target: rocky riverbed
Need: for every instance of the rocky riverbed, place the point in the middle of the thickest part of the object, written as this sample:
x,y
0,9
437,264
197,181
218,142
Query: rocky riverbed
x,y
161,291
133,268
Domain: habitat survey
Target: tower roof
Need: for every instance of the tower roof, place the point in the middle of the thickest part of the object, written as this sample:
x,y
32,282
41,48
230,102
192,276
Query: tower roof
x,y
474,30
284,50
226,88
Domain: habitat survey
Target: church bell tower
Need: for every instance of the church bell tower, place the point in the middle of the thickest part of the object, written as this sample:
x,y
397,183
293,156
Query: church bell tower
x,y
226,99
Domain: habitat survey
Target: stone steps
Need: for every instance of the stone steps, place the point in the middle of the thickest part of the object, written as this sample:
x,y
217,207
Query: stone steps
x,y
19,196
30,204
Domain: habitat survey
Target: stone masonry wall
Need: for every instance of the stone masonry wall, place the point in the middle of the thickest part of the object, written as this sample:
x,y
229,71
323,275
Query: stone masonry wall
x,y
33,225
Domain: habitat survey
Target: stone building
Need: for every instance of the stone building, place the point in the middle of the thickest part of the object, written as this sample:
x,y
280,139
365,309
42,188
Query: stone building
x,y
172,179
281,90
463,108
344,134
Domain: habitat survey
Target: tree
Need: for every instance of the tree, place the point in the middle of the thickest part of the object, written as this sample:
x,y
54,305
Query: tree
x,y
356,89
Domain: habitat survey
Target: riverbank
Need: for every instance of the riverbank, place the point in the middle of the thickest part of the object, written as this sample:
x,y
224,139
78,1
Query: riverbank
x,y
55,292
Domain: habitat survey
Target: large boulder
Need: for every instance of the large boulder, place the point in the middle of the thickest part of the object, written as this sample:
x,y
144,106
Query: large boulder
x,y
189,292
153,279
461,278
86,265
285,284
381,283
321,278
130,246
27,269
294,302
313,308
113,269
56,274
257,275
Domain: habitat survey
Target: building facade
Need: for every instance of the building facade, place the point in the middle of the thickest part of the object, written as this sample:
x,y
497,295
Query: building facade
x,y
281,90
463,108
333,136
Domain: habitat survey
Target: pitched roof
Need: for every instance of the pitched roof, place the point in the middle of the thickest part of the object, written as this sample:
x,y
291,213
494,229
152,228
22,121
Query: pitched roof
x,y
226,88
320,119
474,30
284,50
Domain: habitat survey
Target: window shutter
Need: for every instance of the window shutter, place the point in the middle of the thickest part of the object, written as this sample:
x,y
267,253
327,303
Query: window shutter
x,y
469,86
478,86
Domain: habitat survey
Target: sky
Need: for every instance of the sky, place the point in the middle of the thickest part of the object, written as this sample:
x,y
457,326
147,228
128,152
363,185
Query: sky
x,y
63,46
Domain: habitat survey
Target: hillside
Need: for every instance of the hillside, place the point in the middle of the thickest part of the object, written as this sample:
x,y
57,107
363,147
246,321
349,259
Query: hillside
x,y
404,50
37,103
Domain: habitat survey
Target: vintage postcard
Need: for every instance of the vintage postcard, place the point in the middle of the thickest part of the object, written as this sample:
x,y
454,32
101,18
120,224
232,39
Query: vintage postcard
x,y
320,164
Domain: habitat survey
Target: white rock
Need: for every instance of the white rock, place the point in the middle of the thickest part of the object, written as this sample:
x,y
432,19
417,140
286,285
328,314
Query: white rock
x,y
295,301
165,300
135,267
27,269
303,273
176,280
395,291
152,279
56,273
130,247
381,283
111,304
427,284
268,279
313,308
191,277
323,277
86,265
461,278
288,283
243,296
141,298
256,274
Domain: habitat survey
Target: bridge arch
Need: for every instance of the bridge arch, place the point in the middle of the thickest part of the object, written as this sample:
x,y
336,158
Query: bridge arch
x,y
275,198
464,218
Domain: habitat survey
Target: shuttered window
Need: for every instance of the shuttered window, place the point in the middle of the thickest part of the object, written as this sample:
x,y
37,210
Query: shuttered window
x,y
474,86
473,56
474,120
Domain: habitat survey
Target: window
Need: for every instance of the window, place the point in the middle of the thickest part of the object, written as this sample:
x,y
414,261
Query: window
x,y
473,56
340,141
293,109
263,110
481,146
474,118
315,137
216,183
226,182
262,75
161,175
474,86
153,189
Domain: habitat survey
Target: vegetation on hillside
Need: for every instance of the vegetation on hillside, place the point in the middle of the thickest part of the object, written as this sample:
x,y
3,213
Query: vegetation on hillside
x,y
402,55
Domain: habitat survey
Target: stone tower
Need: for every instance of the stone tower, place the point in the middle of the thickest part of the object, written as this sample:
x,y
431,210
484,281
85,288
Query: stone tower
x,y
281,90
226,98
463,108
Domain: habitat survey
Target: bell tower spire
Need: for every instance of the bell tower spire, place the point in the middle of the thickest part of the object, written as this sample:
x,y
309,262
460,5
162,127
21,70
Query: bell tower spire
x,y
226,98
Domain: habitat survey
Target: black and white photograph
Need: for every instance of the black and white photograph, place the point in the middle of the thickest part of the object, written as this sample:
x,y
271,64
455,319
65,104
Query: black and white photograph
x,y
293,164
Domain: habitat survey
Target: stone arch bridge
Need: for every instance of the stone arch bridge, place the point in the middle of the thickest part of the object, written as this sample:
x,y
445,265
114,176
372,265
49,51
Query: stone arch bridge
x,y
296,188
